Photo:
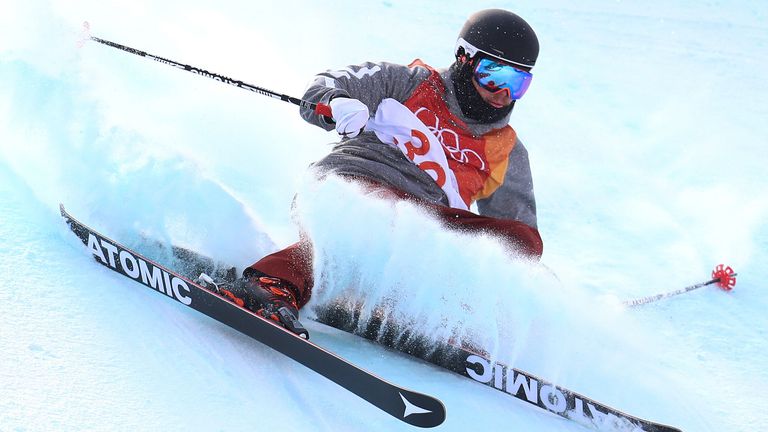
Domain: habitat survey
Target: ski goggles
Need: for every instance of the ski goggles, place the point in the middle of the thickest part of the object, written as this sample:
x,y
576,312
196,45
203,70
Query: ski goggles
x,y
496,77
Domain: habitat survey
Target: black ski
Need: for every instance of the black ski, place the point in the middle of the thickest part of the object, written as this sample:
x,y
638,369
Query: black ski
x,y
464,361
408,406
478,366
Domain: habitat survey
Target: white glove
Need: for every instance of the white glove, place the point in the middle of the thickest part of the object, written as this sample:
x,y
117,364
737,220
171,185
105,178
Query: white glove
x,y
350,116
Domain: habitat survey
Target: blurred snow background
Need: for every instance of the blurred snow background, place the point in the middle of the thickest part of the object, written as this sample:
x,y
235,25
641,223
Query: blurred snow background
x,y
646,131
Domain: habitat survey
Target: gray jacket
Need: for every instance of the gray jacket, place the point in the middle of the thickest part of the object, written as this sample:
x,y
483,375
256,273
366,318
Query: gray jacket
x,y
366,156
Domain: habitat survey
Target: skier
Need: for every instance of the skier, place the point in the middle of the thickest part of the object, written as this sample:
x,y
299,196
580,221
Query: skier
x,y
438,138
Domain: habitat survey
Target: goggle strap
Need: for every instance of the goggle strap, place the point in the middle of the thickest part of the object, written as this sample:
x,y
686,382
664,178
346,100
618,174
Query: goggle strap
x,y
472,50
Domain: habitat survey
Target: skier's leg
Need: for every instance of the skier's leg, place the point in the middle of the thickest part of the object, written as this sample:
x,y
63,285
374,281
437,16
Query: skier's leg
x,y
292,265
520,237
276,286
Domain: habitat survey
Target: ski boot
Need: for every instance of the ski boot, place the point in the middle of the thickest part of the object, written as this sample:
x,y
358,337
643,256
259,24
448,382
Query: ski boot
x,y
266,296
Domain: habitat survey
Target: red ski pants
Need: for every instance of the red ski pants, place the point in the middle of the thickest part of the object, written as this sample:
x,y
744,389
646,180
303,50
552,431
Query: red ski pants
x,y
294,263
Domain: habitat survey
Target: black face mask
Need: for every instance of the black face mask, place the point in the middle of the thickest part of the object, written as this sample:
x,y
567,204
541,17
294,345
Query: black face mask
x,y
470,101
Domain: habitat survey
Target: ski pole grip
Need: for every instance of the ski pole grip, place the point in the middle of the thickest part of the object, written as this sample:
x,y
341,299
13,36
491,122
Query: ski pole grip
x,y
324,109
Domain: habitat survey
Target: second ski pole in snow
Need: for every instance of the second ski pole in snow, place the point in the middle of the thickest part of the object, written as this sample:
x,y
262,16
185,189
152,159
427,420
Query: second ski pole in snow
x,y
722,275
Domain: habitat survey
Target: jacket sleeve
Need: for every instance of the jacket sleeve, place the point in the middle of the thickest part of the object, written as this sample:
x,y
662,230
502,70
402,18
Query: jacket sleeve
x,y
369,82
514,199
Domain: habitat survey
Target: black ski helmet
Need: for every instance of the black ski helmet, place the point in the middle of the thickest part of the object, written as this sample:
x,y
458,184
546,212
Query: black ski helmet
x,y
499,34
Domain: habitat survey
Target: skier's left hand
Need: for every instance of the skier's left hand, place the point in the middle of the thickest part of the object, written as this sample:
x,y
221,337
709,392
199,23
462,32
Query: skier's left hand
x,y
350,116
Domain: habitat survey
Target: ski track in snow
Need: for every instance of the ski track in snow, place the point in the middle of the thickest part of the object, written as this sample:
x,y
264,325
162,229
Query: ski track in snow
x,y
646,132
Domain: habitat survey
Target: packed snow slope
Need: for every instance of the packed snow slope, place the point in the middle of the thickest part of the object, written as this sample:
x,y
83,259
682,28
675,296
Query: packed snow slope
x,y
646,129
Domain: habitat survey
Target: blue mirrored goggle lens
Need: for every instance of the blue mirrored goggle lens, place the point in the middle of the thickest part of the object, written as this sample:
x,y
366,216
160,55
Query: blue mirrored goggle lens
x,y
495,77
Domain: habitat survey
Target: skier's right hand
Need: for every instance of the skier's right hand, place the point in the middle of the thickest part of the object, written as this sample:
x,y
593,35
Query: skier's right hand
x,y
350,116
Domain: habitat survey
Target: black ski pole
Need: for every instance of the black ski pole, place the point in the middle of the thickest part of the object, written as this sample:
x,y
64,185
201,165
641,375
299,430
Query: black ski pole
x,y
321,109
722,275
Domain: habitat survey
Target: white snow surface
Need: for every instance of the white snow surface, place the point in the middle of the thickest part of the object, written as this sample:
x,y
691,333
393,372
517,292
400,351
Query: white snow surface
x,y
646,130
